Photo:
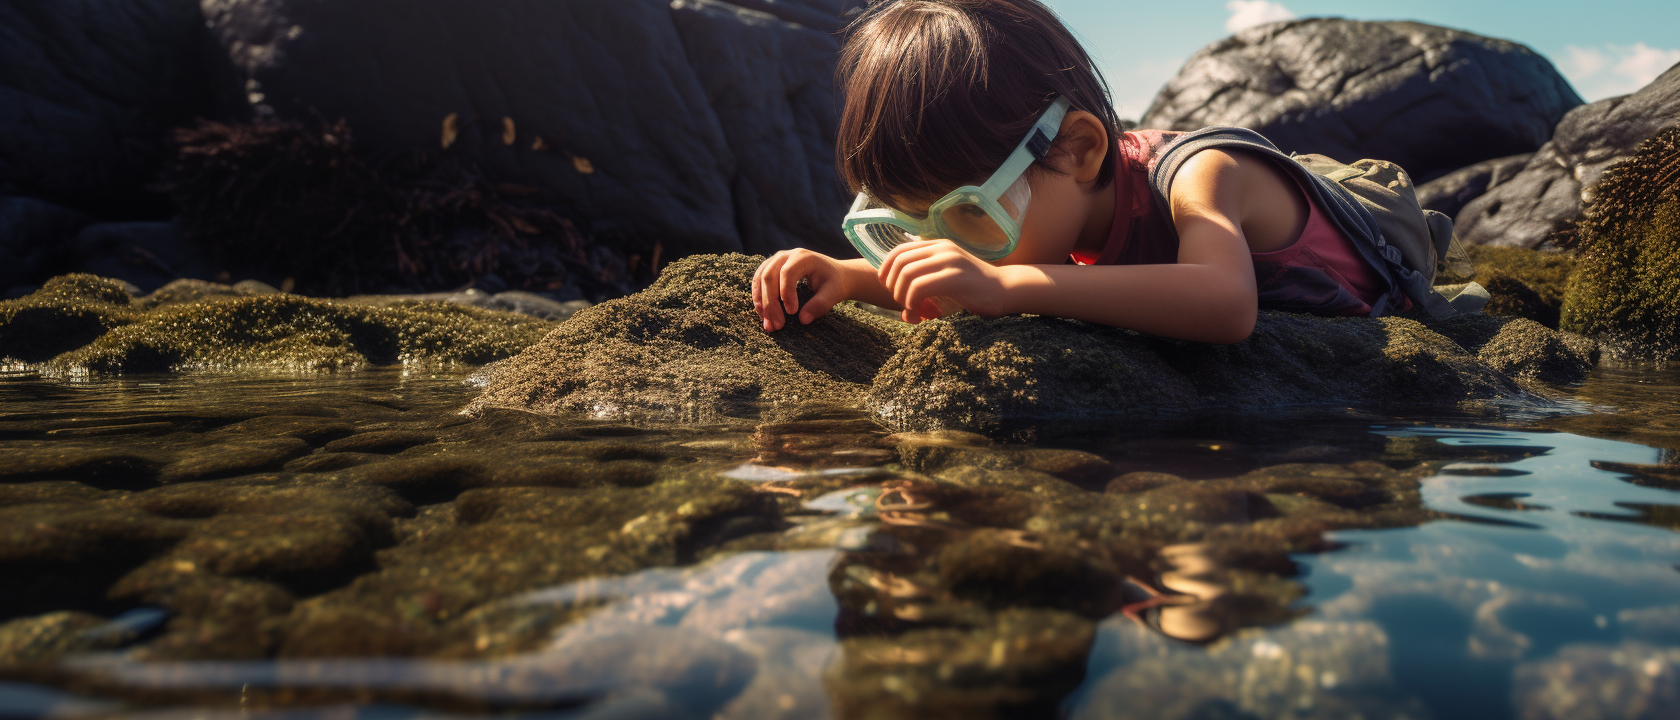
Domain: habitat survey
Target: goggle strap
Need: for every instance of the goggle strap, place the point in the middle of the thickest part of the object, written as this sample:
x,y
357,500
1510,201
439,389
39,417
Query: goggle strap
x,y
1038,144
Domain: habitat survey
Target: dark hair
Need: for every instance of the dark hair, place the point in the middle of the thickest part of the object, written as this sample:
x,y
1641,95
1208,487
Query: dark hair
x,y
939,92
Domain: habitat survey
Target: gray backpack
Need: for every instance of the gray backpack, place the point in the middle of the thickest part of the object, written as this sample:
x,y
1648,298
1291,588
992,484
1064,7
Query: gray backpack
x,y
1370,201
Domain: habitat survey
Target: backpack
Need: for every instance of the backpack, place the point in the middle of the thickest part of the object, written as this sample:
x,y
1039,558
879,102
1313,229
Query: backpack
x,y
1371,201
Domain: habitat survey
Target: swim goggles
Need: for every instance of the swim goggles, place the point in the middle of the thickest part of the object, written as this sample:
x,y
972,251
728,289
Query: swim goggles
x,y
984,220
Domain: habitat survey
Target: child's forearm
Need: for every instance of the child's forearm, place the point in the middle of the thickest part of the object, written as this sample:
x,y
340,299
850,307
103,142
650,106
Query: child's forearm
x,y
863,284
1205,303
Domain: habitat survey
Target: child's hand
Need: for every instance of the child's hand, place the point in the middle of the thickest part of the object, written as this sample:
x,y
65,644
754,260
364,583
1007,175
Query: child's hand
x,y
916,272
775,286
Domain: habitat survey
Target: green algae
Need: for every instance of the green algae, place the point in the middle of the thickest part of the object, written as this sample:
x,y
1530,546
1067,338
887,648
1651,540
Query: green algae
x,y
1627,289
1522,282
690,347
80,324
700,354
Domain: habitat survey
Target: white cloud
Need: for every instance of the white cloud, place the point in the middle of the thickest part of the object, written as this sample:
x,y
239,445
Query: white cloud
x,y
1248,13
1610,70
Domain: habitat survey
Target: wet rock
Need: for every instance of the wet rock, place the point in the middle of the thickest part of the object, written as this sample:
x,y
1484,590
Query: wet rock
x,y
188,290
1431,99
227,459
1523,349
1523,282
1002,568
329,462
68,312
1449,193
313,430
1623,291
334,630
45,637
85,324
380,441
1549,192
102,542
1021,662
1633,680
519,301
214,617
975,374
94,464
699,352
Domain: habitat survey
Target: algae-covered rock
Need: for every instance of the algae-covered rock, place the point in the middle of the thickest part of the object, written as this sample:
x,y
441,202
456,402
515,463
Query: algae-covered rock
x,y
1522,282
1522,348
68,312
971,373
1626,291
82,324
690,346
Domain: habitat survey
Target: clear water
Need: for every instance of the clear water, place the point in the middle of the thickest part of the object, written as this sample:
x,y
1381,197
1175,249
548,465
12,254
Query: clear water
x,y
1543,583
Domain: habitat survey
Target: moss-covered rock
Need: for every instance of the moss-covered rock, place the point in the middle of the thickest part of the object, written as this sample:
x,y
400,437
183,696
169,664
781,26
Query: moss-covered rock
x,y
1522,282
82,324
1626,291
973,373
691,347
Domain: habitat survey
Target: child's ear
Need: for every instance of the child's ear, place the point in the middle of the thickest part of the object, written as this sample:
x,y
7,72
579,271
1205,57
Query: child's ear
x,y
1083,144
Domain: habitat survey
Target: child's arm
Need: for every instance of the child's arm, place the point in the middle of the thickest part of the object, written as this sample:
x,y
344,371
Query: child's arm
x,y
775,286
1208,296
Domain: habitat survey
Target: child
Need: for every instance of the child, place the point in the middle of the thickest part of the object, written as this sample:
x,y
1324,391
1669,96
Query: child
x,y
983,127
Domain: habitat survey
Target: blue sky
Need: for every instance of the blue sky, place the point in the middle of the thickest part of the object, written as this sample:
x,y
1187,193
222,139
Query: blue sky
x,y
1604,47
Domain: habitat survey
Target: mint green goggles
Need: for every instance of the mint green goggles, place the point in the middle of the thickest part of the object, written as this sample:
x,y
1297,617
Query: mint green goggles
x,y
984,220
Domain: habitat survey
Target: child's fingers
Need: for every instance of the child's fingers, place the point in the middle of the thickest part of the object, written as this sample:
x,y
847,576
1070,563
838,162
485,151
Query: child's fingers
x,y
790,277
826,296
762,302
892,271
923,288
913,268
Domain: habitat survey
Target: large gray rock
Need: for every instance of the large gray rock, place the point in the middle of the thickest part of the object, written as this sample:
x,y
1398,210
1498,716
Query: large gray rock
x,y
89,90
702,125
1548,193
1432,99
1449,193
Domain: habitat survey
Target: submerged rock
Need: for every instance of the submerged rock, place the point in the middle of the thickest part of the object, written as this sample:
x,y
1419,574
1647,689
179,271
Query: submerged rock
x,y
83,324
1627,288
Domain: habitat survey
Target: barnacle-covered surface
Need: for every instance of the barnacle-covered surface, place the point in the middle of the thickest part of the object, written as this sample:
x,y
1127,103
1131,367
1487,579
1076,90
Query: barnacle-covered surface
x,y
1626,290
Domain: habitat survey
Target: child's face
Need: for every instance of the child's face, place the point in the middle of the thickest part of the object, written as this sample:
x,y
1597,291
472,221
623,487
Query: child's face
x,y
1062,206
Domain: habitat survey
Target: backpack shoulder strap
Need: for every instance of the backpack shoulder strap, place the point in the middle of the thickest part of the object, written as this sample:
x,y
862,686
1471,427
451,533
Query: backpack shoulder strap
x,y
1343,209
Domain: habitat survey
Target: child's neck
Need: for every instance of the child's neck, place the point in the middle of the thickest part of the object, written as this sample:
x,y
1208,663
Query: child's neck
x,y
1099,220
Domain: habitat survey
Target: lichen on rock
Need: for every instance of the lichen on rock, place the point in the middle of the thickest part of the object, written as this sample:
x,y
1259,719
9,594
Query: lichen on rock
x,y
1626,291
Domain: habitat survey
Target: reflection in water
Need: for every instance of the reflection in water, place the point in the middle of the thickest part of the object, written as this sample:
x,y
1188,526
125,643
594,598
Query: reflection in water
x,y
548,567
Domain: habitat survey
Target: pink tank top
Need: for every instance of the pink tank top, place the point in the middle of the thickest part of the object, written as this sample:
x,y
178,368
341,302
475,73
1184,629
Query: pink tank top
x,y
1320,273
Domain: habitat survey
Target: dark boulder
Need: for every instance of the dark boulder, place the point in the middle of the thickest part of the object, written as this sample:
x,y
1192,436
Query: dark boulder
x,y
1432,99
88,92
697,124
34,238
1449,193
147,254
1547,194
